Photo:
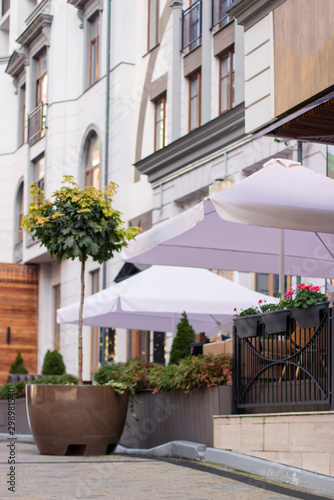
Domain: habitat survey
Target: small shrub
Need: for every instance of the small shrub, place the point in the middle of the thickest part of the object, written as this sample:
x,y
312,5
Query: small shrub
x,y
133,373
19,387
53,363
18,366
185,335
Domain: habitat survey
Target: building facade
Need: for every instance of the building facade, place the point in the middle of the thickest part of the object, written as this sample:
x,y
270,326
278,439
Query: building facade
x,y
165,98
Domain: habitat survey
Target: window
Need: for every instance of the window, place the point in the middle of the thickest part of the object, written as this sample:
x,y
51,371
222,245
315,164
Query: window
x,y
268,284
160,122
20,209
22,114
92,162
191,26
36,120
39,172
226,81
153,23
56,326
194,101
94,335
5,6
94,33
330,161
219,14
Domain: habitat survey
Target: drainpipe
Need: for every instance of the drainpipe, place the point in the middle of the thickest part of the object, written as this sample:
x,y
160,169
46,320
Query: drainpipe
x,y
106,154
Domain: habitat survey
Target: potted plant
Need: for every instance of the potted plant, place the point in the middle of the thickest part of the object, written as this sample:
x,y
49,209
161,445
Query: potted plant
x,y
308,304
77,223
275,316
247,322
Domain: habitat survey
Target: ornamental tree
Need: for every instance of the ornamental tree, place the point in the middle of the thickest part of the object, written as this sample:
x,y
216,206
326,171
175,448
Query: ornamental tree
x,y
77,223
185,335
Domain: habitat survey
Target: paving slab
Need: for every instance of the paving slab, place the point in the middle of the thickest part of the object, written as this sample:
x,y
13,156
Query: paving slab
x,y
39,477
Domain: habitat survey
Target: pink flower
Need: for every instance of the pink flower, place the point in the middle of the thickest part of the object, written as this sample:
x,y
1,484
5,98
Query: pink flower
x,y
288,294
315,288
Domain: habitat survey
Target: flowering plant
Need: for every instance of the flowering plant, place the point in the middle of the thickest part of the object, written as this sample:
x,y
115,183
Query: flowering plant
x,y
306,296
265,307
246,312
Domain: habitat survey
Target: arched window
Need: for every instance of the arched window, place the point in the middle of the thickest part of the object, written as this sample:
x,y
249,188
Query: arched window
x,y
92,162
19,208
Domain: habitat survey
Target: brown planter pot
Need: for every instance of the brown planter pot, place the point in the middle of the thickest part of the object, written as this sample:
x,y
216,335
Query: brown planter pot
x,y
75,420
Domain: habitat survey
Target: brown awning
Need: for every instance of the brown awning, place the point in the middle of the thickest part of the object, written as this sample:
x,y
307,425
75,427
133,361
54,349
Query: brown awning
x,y
314,122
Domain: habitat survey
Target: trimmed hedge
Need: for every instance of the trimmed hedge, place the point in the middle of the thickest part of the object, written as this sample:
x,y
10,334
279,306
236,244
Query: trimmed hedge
x,y
20,387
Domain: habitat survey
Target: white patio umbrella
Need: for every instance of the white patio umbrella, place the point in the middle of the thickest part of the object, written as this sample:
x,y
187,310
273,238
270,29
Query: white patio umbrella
x,y
240,229
154,299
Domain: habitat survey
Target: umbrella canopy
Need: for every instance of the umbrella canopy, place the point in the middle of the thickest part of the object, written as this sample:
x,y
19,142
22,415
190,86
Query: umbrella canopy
x,y
154,299
240,229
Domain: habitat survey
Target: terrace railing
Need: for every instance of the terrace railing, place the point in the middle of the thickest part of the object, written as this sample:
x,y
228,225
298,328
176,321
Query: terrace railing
x,y
290,371
219,16
191,26
36,123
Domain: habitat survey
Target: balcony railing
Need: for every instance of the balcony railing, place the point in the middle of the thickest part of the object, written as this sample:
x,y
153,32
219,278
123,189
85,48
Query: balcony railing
x,y
192,26
219,16
285,372
36,124
5,6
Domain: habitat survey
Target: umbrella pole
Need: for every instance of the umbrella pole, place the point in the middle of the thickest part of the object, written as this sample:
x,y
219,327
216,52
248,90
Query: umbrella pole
x,y
281,263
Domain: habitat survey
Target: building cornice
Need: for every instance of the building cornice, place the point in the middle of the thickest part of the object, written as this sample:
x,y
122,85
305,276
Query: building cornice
x,y
201,142
41,23
249,12
37,10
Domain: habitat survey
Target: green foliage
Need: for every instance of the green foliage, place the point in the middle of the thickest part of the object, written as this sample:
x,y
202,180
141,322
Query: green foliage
x,y
185,335
53,363
307,296
133,373
193,373
246,312
18,366
78,222
19,387
265,307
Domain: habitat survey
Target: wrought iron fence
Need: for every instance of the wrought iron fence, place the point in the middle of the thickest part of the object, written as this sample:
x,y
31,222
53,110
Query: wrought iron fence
x,y
36,123
286,370
192,26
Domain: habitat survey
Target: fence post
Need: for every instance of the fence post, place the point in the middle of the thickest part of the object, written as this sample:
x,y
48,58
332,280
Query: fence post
x,y
331,358
235,372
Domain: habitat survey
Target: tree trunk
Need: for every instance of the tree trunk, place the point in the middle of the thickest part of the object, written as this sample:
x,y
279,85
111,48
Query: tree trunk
x,y
83,262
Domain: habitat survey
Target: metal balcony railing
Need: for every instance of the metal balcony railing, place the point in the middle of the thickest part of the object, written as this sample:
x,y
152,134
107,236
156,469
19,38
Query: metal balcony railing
x,y
219,16
36,124
191,26
286,371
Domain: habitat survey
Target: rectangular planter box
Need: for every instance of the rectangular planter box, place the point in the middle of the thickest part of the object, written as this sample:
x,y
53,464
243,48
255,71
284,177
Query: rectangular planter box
x,y
170,416
21,420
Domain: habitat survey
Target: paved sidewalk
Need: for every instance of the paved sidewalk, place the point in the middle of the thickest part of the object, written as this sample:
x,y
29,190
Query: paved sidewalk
x,y
119,476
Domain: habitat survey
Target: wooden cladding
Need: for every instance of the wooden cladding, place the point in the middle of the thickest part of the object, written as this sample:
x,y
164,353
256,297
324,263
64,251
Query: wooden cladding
x,y
18,312
303,51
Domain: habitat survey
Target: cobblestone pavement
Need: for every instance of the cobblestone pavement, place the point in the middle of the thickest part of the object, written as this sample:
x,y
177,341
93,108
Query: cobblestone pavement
x,y
118,476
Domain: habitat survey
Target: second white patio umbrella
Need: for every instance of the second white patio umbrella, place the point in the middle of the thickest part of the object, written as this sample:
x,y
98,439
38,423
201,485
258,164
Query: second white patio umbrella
x,y
239,229
154,299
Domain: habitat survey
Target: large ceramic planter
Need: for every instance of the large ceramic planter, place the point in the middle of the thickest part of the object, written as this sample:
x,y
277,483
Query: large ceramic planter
x,y
75,419
247,326
276,321
311,316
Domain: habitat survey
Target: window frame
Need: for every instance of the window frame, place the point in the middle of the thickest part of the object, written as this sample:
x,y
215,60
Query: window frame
x,y
162,99
22,116
37,179
194,76
20,213
229,53
150,44
94,41
88,158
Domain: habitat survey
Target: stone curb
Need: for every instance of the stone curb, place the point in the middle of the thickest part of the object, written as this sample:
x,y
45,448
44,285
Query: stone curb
x,y
243,463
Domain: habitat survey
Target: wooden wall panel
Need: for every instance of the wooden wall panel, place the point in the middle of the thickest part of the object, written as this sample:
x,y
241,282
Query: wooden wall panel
x,y
303,51
18,310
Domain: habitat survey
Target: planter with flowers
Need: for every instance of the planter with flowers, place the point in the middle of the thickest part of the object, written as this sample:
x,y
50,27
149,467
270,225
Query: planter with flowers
x,y
309,304
247,322
276,316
